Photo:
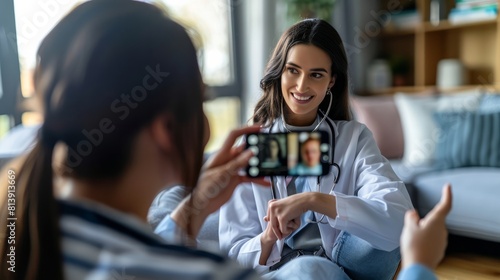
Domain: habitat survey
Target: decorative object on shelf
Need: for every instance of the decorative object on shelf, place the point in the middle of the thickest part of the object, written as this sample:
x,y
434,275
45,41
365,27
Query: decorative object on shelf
x,y
379,75
408,18
299,9
400,67
473,10
438,11
474,43
451,73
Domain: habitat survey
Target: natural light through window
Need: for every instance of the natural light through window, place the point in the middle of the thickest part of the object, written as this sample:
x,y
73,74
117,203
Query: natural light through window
x,y
209,25
34,19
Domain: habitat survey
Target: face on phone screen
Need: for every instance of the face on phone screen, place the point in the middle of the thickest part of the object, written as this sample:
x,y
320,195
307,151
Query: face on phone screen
x,y
282,154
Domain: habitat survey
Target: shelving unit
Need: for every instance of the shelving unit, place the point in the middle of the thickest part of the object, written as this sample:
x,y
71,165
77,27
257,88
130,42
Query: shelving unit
x,y
476,44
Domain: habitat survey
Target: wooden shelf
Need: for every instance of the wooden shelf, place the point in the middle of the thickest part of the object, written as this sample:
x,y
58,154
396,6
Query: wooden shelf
x,y
429,27
393,31
429,89
447,25
463,88
394,90
476,44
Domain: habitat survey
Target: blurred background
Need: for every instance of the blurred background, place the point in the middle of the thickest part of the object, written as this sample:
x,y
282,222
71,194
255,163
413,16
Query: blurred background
x,y
392,46
424,78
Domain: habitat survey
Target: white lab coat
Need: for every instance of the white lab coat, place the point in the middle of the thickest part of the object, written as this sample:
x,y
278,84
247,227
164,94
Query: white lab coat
x,y
371,200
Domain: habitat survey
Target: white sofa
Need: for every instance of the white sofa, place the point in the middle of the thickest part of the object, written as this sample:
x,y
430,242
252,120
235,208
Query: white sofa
x,y
428,155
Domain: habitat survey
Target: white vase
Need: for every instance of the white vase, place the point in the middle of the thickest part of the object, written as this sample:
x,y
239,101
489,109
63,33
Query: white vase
x,y
451,73
379,75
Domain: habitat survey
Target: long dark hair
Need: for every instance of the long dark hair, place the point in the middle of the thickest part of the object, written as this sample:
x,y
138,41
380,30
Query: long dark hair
x,y
104,73
321,34
267,150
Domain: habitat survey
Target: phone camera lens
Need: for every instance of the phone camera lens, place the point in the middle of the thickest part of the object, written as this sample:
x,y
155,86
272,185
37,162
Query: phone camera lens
x,y
253,139
254,171
326,158
255,150
253,161
324,147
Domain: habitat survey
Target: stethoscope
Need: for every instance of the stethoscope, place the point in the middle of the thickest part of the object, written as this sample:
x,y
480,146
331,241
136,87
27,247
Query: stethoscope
x,y
318,180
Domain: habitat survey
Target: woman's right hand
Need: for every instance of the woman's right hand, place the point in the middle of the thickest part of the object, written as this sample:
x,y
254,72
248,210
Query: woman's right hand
x,y
267,240
284,214
218,179
268,237
272,233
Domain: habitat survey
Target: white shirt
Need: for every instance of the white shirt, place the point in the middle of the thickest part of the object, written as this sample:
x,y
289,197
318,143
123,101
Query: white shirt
x,y
371,200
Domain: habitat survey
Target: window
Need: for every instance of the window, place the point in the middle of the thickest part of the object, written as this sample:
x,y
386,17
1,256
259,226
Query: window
x,y
34,20
211,27
209,23
4,119
9,67
1,86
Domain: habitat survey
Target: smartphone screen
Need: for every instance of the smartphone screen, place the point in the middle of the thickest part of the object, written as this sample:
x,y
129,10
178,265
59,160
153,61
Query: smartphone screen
x,y
302,153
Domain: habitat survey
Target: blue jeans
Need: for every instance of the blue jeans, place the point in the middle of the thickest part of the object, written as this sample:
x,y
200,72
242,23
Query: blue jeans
x,y
308,267
361,261
352,258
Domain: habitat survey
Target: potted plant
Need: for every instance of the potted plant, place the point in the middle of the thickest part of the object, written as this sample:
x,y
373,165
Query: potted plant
x,y
299,9
400,67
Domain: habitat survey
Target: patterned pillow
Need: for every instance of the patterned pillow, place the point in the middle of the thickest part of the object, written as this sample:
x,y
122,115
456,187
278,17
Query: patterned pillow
x,y
419,128
490,103
468,139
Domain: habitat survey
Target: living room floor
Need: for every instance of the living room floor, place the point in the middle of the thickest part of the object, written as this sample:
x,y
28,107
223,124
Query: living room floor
x,y
470,259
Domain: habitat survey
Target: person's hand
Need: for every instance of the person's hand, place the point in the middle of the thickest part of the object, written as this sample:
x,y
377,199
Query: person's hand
x,y
220,174
218,179
424,241
272,233
268,237
284,214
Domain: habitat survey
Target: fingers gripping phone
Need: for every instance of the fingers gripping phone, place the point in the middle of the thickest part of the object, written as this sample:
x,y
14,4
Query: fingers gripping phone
x,y
302,153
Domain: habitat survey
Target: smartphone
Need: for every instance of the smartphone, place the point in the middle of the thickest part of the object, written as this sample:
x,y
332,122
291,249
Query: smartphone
x,y
301,153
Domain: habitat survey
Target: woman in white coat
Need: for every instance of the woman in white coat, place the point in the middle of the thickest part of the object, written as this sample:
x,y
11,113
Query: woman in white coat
x,y
360,217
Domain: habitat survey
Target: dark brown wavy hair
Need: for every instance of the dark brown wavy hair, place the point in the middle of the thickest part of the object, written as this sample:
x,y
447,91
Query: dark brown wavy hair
x,y
94,59
315,32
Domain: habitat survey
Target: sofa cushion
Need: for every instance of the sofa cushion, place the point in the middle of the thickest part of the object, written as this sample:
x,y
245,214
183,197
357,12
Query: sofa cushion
x,y
476,193
468,139
490,103
380,115
419,130
406,172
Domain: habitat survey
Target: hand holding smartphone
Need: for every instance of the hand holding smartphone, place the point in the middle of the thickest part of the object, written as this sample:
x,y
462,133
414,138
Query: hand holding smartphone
x,y
302,153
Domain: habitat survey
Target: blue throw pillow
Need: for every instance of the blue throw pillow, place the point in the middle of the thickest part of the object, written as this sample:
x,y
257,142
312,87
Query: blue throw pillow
x,y
468,139
490,103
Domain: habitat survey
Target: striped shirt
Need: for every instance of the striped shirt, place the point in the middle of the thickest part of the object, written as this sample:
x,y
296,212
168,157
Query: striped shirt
x,y
101,243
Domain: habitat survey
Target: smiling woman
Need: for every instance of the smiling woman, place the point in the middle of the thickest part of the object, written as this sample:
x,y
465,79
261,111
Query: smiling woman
x,y
305,89
304,84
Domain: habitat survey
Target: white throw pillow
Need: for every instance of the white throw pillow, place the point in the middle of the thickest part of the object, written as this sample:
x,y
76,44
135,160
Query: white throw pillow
x,y
420,132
